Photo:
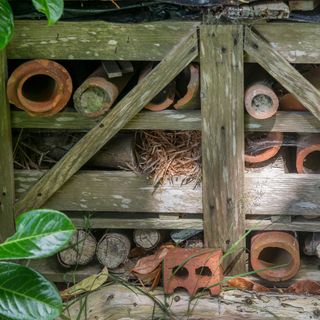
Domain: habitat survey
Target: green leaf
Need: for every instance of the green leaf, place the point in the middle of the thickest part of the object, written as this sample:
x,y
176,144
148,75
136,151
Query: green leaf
x,y
53,9
40,233
6,23
26,295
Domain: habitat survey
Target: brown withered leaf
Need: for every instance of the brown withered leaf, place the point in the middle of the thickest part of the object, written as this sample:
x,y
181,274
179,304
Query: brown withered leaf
x,y
246,284
304,287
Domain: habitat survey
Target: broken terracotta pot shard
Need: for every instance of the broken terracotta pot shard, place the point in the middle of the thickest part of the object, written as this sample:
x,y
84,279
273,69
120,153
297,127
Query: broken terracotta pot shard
x,y
193,270
165,98
40,87
187,88
277,254
262,146
98,92
261,102
308,154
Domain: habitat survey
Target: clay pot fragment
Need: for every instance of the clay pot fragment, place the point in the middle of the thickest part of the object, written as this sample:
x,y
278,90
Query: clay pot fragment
x,y
40,87
277,253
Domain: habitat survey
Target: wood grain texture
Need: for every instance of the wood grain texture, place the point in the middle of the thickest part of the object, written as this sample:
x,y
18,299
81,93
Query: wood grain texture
x,y
278,67
298,43
96,40
144,120
6,159
221,58
180,56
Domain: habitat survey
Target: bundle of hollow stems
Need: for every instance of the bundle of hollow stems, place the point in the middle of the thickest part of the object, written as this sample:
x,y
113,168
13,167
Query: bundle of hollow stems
x,y
164,155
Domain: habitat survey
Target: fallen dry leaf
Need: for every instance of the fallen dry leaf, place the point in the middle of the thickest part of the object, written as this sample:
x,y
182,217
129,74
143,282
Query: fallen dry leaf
x,y
246,284
88,284
305,286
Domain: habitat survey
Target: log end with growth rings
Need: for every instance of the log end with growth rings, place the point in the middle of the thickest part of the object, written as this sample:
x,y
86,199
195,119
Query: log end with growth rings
x,y
40,87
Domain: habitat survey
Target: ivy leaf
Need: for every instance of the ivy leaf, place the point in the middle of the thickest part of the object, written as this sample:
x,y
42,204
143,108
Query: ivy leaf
x,y
53,9
40,233
26,295
6,23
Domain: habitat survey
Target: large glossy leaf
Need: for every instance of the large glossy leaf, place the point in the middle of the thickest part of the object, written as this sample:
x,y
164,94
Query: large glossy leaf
x,y
40,233
53,9
26,295
6,23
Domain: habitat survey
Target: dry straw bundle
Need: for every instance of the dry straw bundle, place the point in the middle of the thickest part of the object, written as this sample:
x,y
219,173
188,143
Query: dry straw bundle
x,y
164,155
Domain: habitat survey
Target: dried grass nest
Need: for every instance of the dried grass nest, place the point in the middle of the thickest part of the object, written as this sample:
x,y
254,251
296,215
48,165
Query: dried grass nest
x,y
165,155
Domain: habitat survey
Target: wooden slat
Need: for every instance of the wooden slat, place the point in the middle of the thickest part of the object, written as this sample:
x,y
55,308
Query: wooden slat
x,y
298,43
116,192
286,194
6,160
272,61
144,120
179,57
221,58
96,40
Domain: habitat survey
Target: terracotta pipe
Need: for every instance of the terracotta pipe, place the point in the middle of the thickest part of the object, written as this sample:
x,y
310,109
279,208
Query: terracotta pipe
x,y
308,154
290,103
98,93
263,146
187,88
272,249
312,244
40,87
164,99
260,101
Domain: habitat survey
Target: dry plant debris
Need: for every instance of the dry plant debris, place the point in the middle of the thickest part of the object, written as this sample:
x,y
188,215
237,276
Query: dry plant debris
x,y
163,155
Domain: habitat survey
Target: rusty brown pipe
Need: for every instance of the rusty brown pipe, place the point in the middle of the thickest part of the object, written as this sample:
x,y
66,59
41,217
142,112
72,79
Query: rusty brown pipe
x,y
187,88
97,93
260,101
308,154
262,147
40,87
164,99
272,249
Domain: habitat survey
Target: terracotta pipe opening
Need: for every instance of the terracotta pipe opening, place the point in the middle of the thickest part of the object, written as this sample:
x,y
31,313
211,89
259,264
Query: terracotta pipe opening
x,y
260,147
274,257
311,163
308,154
261,102
39,88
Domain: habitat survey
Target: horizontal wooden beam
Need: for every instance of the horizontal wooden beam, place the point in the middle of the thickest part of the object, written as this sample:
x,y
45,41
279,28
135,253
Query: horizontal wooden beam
x,y
279,68
96,40
120,191
298,43
115,120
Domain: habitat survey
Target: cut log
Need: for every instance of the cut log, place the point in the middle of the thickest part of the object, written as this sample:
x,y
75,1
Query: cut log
x,y
147,239
113,249
81,252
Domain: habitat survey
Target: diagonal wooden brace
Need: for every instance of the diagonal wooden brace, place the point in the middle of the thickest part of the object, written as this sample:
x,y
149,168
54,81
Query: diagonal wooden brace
x,y
282,71
177,59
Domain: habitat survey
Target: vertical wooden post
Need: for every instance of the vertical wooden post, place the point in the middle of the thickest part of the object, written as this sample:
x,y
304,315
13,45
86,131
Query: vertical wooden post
x,y
221,57
6,159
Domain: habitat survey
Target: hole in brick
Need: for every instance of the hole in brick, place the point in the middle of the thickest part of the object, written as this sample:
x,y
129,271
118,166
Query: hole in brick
x,y
180,272
204,271
203,291
180,290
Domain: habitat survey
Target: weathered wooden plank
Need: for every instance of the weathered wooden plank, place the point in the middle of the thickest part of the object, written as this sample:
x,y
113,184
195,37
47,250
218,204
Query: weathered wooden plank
x,y
231,304
116,191
282,71
6,159
96,40
144,120
286,194
221,57
303,5
298,43
180,56
284,121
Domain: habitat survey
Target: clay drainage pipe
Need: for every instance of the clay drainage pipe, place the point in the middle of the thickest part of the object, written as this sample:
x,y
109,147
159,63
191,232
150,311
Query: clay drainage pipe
x,y
97,93
277,250
308,154
164,99
40,87
260,101
262,146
